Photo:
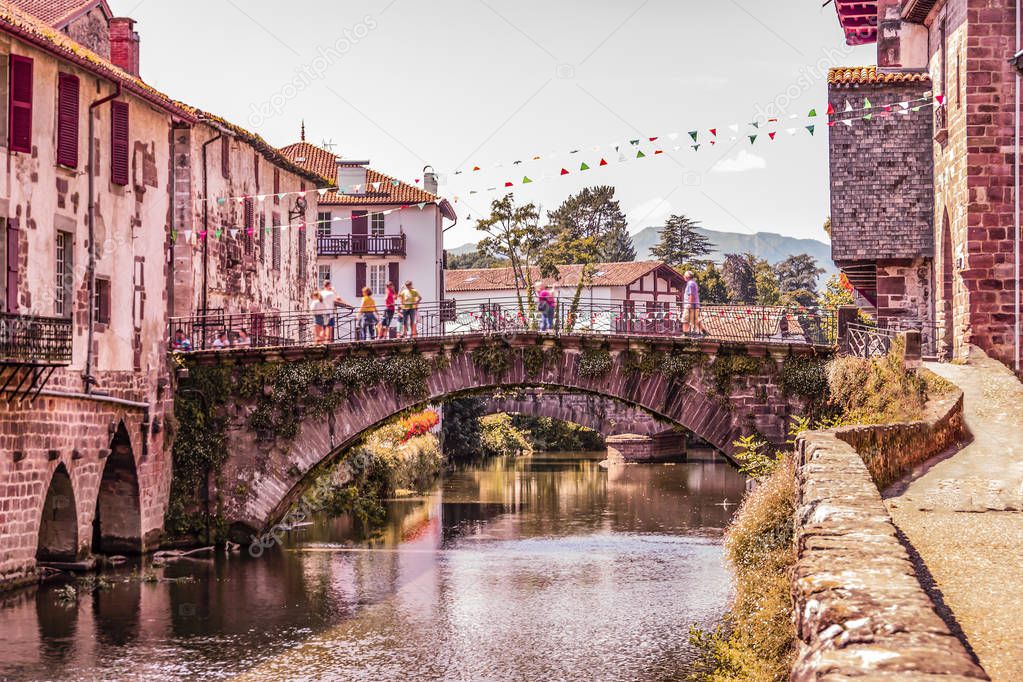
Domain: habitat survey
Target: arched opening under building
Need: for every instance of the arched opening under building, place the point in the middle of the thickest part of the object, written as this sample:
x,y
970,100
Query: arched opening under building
x,y
947,308
58,527
117,524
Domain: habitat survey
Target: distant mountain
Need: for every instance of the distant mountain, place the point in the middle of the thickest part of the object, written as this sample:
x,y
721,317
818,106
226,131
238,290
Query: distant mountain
x,y
771,247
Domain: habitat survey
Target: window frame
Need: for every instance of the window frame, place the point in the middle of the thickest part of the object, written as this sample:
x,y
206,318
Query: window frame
x,y
101,301
377,225
382,271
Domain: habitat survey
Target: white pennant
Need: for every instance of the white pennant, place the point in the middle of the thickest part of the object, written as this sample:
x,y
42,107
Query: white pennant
x,y
673,136
734,127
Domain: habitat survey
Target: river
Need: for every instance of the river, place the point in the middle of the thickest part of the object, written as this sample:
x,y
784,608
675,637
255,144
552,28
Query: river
x,y
547,567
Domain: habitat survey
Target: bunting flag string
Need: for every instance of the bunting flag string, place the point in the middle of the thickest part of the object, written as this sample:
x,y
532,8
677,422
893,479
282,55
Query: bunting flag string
x,y
756,129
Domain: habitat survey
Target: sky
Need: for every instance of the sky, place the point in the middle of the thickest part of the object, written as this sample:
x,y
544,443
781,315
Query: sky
x,y
461,83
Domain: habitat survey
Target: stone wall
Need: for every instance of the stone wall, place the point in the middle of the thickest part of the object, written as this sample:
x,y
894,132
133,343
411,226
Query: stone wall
x,y
859,607
603,415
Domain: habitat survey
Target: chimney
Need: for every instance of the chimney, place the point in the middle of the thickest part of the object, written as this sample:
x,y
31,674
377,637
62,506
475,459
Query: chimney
x,y
430,183
124,44
351,176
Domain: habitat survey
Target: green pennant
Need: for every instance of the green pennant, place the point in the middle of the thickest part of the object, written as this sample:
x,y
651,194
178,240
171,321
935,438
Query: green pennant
x,y
218,233
174,235
694,134
811,129
752,139
634,142
641,155
221,201
756,124
867,104
812,114
696,147
916,109
526,181
584,167
868,117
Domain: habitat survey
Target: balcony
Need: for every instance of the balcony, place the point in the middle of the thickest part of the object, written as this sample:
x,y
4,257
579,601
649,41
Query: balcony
x,y
37,341
362,245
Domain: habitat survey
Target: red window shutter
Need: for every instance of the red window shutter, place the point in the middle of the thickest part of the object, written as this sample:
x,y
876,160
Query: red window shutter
x,y
360,278
20,109
250,213
360,223
392,275
225,157
67,120
277,185
119,143
13,248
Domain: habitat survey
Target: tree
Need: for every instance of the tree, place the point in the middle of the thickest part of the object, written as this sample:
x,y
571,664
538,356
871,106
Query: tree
x,y
463,431
768,288
513,235
838,291
680,243
827,226
474,260
797,277
739,273
589,227
713,290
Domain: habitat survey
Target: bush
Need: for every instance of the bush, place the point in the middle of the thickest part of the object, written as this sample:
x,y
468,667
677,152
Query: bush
x,y
501,439
757,643
878,390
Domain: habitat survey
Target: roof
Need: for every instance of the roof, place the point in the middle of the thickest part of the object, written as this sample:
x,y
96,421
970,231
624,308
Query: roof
x,y
58,13
36,32
498,279
324,164
916,11
859,20
869,75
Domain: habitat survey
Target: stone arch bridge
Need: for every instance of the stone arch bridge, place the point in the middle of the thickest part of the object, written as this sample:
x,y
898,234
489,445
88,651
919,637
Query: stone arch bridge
x,y
606,416
276,435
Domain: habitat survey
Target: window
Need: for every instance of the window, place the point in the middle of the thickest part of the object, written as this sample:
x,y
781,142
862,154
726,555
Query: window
x,y
67,120
119,143
323,224
250,224
102,301
376,277
276,243
323,275
63,290
376,224
225,157
20,105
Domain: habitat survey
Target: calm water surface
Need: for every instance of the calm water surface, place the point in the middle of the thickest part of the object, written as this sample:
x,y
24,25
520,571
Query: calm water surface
x,y
530,569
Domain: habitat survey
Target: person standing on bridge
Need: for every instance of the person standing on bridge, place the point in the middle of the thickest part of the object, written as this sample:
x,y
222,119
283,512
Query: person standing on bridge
x,y
368,312
384,331
331,302
546,305
691,307
409,299
317,308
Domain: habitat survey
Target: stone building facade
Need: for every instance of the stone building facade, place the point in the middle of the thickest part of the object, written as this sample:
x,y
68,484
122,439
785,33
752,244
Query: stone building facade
x,y
99,190
965,48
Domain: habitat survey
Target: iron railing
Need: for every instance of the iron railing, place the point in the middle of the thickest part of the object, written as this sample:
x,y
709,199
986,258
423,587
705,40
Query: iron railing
x,y
37,341
933,343
362,245
869,342
748,324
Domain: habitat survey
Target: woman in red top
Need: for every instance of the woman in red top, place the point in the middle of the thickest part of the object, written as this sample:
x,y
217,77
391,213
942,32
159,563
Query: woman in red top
x,y
388,317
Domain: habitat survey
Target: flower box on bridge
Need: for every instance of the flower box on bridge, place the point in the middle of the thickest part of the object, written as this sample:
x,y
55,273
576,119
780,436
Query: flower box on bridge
x,y
362,245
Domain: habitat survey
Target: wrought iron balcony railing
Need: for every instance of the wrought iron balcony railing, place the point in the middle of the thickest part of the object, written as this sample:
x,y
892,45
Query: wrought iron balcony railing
x,y
362,245
38,341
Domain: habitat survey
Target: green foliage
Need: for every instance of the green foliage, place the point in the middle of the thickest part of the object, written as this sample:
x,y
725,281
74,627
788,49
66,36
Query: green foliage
x,y
595,363
493,357
739,273
758,642
755,457
647,362
806,378
680,242
728,366
713,290
797,278
474,260
463,431
796,427
513,235
501,438
878,390
836,294
552,435
589,227
536,358
678,364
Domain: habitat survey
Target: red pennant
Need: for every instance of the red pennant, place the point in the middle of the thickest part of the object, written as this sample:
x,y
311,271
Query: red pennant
x,y
713,142
508,184
564,172
653,139
603,162
659,151
476,168
831,109
940,99
714,132
771,135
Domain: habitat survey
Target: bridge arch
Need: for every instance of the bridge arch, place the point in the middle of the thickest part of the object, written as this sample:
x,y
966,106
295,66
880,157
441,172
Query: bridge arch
x,y
261,479
606,416
117,522
58,523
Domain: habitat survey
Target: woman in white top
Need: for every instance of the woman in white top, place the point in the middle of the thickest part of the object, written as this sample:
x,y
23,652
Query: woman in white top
x,y
319,309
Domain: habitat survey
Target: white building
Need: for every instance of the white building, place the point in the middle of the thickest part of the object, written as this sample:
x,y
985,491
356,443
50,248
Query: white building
x,y
375,229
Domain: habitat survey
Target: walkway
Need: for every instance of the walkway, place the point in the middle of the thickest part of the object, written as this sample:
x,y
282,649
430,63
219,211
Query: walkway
x,y
964,517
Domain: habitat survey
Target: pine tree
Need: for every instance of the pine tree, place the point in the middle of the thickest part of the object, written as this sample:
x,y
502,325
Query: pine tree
x,y
680,243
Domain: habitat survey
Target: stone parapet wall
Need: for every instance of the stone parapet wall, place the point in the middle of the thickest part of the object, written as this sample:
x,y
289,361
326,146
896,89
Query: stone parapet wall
x,y
859,607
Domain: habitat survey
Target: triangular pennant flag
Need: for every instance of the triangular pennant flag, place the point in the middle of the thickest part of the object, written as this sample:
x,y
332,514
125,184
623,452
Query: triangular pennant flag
x,y
714,132
509,184
812,114
658,151
868,117
564,171
916,109
673,136
584,167
174,235
755,124
831,109
848,106
282,195
694,134
188,235
696,147
752,139
603,162
772,134
713,142
790,131
422,205
811,129
653,139
323,191
867,104
734,127
641,155
395,182
940,99
634,142
526,180
376,186
475,168
221,201
233,232
848,122
218,233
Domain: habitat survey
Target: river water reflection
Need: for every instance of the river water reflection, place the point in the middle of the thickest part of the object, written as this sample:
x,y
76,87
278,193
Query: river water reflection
x,y
542,568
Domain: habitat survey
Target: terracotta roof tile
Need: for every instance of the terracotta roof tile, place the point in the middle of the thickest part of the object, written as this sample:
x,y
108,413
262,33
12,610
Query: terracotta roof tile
x,y
869,75
496,279
57,12
324,163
